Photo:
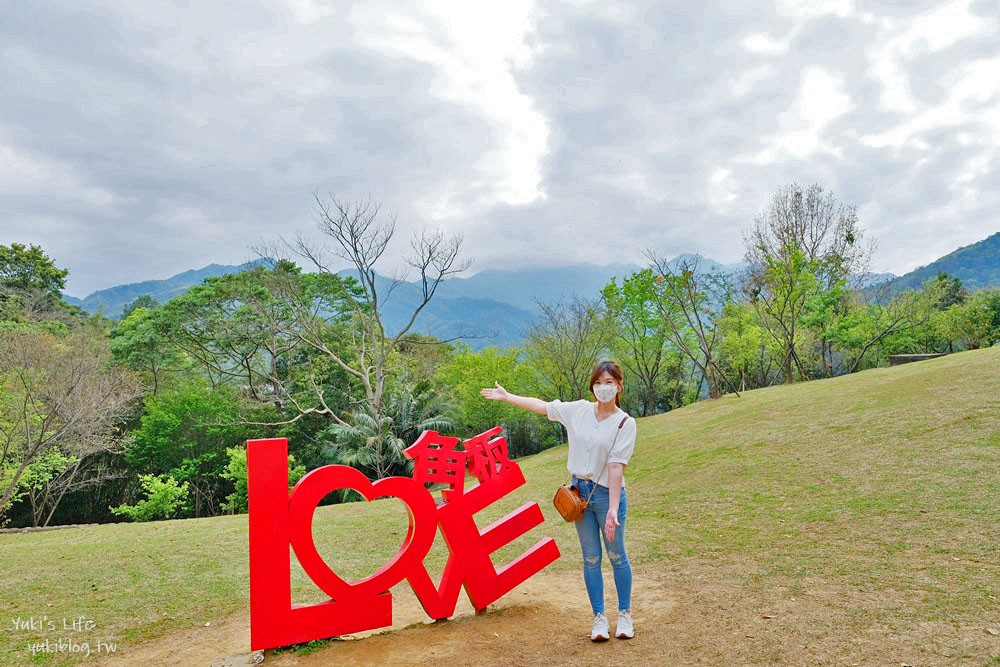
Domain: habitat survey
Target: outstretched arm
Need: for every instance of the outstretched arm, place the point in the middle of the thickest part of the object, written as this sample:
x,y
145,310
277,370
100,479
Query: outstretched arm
x,y
498,393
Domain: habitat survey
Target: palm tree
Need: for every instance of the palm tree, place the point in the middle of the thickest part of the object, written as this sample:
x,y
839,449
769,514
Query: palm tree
x,y
375,443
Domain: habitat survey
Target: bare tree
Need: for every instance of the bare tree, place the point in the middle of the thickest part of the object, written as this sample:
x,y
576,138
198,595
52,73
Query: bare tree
x,y
823,229
29,304
687,300
361,234
85,473
566,341
57,392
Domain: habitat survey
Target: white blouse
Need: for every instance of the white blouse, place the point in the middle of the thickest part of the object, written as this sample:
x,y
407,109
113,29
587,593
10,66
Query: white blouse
x,y
590,441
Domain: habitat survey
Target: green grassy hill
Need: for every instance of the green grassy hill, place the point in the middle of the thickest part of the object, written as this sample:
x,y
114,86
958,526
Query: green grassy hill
x,y
876,494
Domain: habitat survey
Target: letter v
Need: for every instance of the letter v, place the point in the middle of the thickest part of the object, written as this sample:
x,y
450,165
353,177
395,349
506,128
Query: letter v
x,y
438,603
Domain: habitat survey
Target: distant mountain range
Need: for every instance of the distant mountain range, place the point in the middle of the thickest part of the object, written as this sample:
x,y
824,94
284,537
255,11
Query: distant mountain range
x,y
524,288
112,301
495,307
489,308
976,265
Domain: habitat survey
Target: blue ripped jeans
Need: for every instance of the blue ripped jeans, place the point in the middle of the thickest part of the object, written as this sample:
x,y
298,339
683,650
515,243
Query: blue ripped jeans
x,y
590,529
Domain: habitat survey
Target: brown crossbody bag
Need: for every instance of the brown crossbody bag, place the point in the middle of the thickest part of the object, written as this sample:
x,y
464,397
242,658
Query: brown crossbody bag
x,y
568,501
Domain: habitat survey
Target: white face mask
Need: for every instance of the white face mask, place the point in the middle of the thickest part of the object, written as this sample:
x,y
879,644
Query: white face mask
x,y
605,392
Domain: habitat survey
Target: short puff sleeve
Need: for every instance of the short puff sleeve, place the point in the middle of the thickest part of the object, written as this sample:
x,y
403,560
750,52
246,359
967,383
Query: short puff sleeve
x,y
625,444
558,411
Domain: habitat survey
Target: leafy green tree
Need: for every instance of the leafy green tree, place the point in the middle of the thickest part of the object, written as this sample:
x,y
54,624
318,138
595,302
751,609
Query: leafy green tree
x,y
376,443
991,297
881,327
468,372
779,290
951,291
370,444
275,333
802,244
184,433
936,329
137,343
418,357
29,268
820,312
40,474
236,474
142,301
642,334
164,497
417,407
74,485
688,300
974,322
31,286
744,344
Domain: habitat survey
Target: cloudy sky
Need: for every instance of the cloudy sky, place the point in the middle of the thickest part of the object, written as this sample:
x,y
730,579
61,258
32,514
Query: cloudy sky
x,y
142,138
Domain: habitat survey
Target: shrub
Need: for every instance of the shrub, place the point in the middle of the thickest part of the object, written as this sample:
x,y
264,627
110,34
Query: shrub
x,y
163,497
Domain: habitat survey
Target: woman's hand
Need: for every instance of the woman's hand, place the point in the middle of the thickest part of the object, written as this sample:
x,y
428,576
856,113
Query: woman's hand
x,y
610,524
498,393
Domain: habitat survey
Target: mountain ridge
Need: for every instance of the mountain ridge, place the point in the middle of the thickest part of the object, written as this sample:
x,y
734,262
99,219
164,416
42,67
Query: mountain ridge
x,y
977,265
111,301
495,306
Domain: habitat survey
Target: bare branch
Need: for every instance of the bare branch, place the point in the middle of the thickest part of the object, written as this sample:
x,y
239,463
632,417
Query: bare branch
x,y
67,397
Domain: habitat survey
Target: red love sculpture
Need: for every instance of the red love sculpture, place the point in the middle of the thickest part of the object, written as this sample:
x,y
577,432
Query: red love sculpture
x,y
419,539
279,520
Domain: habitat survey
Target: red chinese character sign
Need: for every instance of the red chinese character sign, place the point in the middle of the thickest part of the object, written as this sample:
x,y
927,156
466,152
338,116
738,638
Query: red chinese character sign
x,y
279,519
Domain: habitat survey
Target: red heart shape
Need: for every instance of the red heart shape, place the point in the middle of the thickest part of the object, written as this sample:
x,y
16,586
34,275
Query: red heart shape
x,y
318,483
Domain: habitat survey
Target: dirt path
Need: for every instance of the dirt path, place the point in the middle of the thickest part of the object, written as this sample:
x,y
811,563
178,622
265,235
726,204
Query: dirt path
x,y
685,618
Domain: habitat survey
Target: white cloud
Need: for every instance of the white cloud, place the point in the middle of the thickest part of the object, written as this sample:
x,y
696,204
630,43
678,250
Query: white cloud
x,y
899,42
973,97
180,137
815,8
765,44
475,50
749,79
820,101
310,11
722,190
34,176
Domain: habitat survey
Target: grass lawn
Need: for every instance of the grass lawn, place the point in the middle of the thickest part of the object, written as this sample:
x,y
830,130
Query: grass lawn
x,y
880,490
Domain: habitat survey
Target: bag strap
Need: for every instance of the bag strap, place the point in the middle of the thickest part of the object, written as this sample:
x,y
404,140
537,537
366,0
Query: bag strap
x,y
606,463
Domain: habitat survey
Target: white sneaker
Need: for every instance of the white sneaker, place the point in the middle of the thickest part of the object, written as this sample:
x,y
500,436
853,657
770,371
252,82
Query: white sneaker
x,y
625,630
600,631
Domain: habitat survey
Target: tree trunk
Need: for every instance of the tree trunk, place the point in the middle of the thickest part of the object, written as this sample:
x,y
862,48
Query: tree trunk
x,y
62,493
650,399
710,376
677,393
36,508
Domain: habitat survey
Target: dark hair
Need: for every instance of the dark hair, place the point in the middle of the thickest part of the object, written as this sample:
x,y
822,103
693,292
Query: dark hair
x,y
600,369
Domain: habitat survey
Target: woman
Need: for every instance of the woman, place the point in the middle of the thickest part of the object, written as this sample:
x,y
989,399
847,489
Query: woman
x,y
601,440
